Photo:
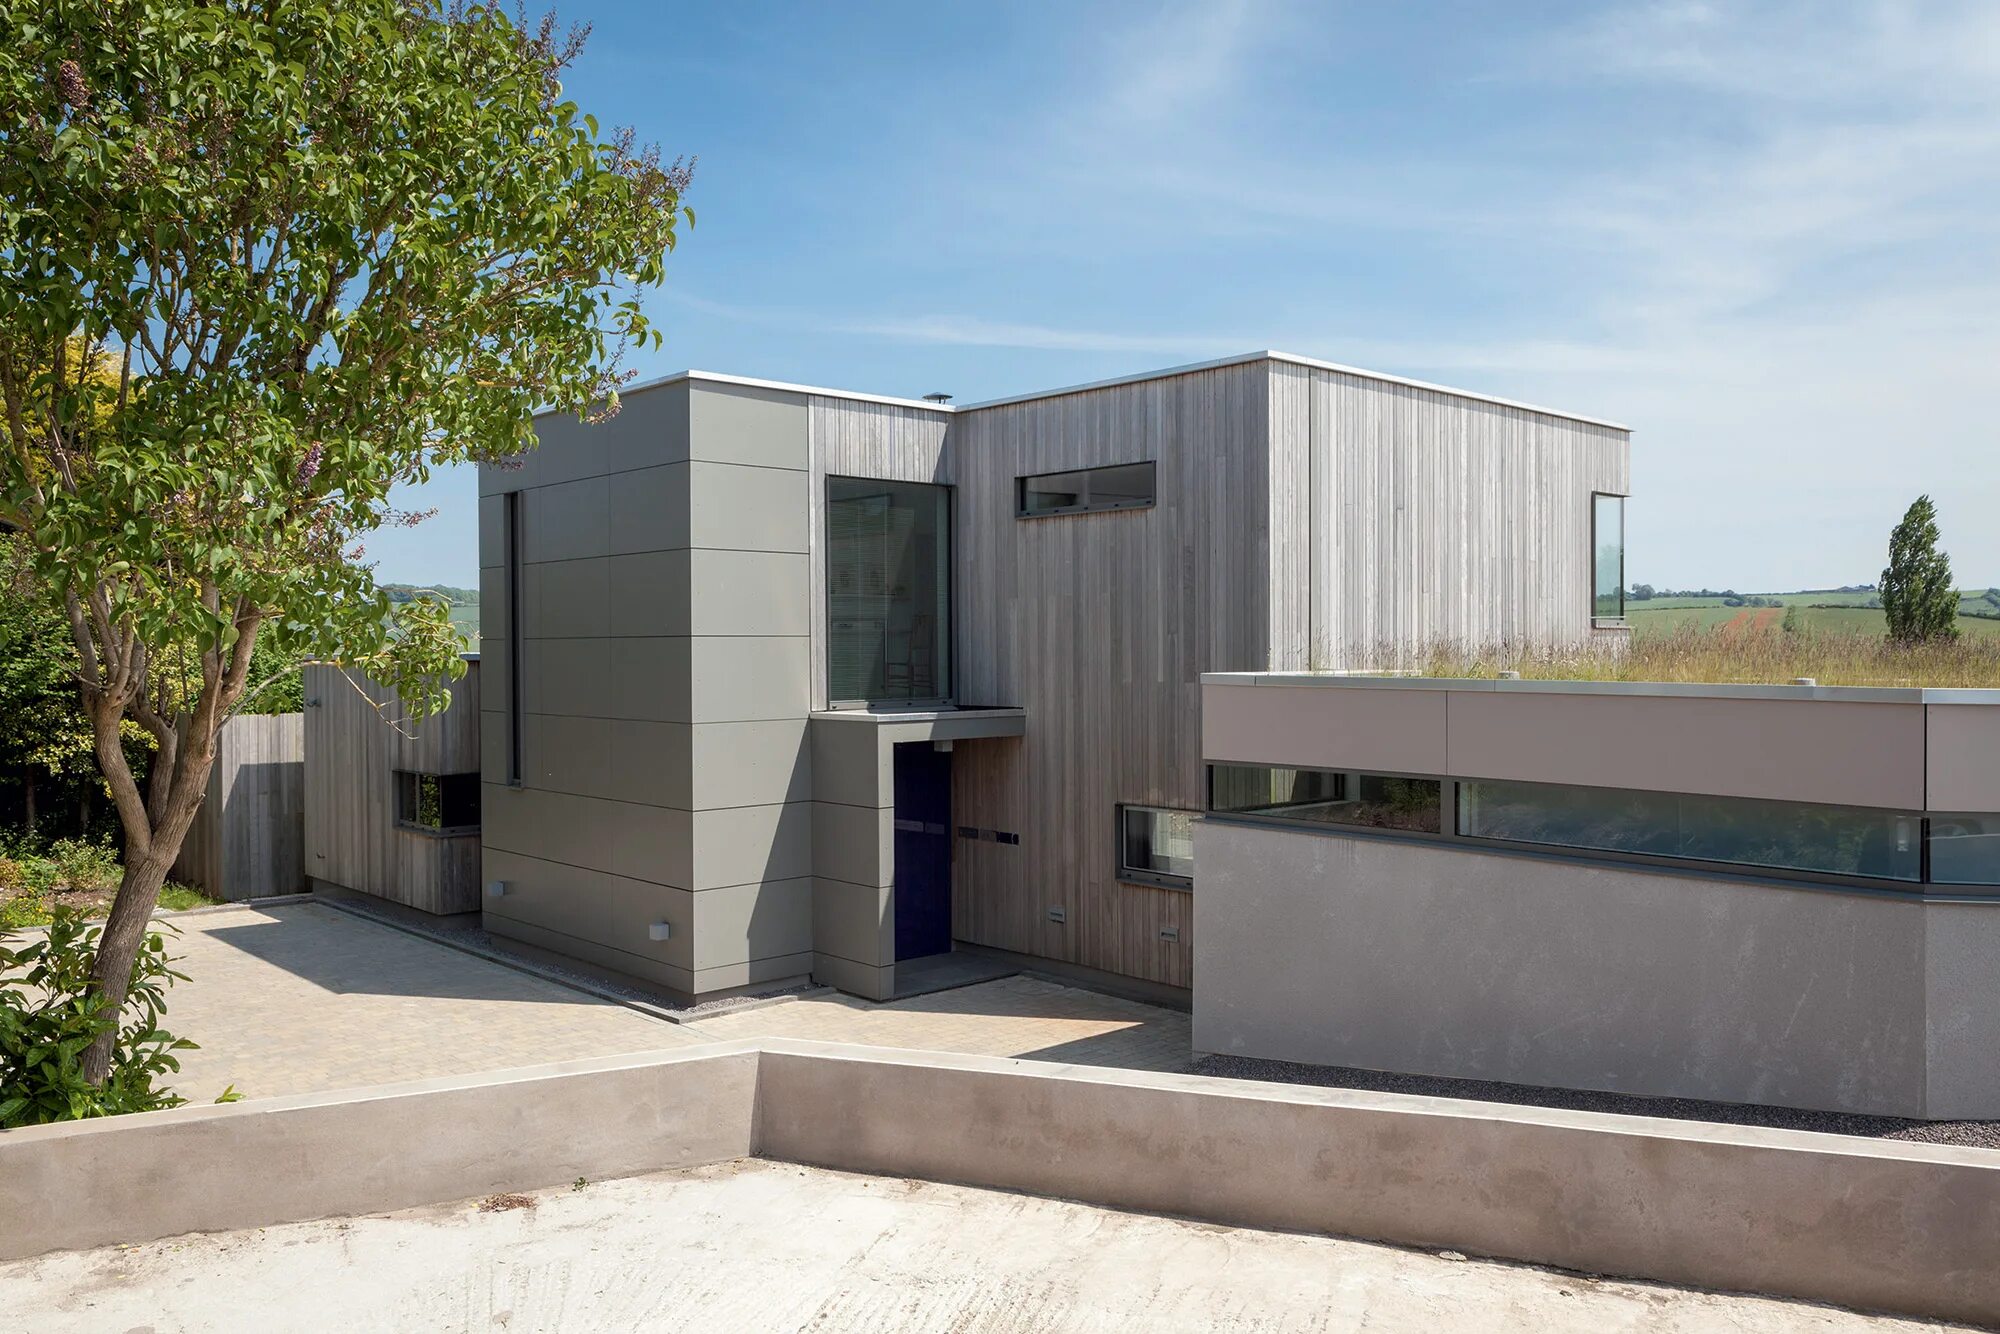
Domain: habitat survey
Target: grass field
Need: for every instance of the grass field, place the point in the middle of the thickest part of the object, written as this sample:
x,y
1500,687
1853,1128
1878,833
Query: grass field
x,y
1652,617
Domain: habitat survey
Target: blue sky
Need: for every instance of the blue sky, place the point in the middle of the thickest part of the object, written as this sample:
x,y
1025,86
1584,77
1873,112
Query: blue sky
x,y
1763,235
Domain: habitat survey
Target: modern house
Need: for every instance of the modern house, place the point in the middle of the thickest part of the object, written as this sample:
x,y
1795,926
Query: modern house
x,y
785,682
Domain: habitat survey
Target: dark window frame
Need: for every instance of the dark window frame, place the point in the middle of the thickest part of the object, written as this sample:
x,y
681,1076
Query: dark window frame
x,y
1128,874
1021,510
1912,891
405,782
1447,829
1622,620
949,631
1899,884
511,519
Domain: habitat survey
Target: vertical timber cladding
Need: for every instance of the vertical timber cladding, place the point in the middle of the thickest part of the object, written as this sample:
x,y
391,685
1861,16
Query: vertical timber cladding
x,y
1431,517
1100,625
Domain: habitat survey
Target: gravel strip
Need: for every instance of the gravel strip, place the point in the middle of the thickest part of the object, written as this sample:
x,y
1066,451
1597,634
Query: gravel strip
x,y
1970,1134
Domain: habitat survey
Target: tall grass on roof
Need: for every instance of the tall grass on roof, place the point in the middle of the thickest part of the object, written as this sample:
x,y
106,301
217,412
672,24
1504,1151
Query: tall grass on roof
x,y
1721,654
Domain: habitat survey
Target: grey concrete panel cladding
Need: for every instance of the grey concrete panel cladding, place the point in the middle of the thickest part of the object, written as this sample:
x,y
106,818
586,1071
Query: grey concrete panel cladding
x,y
1899,749
593,905
619,837
856,979
1786,750
1395,731
749,844
613,515
650,429
747,593
747,678
1963,752
739,424
744,508
1388,954
1871,1224
855,922
853,843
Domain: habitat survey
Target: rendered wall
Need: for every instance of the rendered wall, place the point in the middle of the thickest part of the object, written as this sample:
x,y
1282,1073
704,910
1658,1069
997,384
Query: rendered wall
x,y
1393,955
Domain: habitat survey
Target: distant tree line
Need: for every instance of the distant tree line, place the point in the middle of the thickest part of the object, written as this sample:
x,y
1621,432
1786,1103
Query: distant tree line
x,y
458,597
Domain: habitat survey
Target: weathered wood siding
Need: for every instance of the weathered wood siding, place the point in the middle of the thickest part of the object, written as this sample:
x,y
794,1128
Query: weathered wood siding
x,y
848,438
356,737
1429,517
1100,625
247,841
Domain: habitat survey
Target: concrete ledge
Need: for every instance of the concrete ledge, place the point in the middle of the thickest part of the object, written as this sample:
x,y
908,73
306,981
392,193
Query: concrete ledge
x,y
1864,1223
279,1160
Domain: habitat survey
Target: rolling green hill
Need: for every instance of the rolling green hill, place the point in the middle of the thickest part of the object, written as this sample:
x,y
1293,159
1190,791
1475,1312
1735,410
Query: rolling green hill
x,y
1837,612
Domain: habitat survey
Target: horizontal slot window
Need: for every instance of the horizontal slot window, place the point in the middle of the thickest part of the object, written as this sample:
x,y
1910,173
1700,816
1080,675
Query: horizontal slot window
x,y
1122,487
1156,846
1737,831
1965,849
1328,797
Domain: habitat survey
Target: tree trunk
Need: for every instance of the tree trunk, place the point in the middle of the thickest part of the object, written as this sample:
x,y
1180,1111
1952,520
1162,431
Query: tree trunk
x,y
28,799
138,895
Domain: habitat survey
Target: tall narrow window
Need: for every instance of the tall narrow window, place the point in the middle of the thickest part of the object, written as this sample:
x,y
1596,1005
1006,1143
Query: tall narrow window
x,y
513,540
888,592
1607,546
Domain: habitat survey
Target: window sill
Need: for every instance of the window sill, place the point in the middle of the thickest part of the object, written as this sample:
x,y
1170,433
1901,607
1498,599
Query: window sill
x,y
456,831
1136,880
1085,509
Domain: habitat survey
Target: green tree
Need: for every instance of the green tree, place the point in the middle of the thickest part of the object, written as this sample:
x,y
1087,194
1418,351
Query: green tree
x,y
1917,592
259,264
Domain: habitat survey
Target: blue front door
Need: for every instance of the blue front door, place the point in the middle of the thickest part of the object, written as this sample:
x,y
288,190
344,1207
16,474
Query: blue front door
x,y
923,850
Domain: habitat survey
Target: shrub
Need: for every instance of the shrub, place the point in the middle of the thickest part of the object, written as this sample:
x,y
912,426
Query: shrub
x,y
24,910
49,1014
81,865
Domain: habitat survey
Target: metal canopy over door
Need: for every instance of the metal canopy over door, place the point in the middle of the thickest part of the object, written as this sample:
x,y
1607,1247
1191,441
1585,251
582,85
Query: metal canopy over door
x,y
923,850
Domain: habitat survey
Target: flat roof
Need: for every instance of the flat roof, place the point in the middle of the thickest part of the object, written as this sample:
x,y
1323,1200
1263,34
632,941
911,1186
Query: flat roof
x,y
1168,372
1682,689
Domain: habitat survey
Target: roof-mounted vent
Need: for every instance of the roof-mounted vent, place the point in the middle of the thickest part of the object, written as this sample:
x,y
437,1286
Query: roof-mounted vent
x,y
939,399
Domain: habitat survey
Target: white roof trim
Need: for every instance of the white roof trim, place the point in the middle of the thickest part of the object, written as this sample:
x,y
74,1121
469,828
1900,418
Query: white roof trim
x,y
1295,360
1245,358
714,377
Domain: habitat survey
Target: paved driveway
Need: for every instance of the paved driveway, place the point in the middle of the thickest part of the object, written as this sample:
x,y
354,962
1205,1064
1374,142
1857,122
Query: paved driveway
x,y
1015,1016
301,997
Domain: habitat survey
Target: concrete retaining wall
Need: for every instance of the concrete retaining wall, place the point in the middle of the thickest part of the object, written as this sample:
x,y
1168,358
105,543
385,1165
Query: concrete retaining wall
x,y
327,1155
1876,1225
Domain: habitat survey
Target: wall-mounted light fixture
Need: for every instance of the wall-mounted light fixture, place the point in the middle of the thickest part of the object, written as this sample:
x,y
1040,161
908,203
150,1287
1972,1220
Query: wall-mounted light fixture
x,y
660,931
496,889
